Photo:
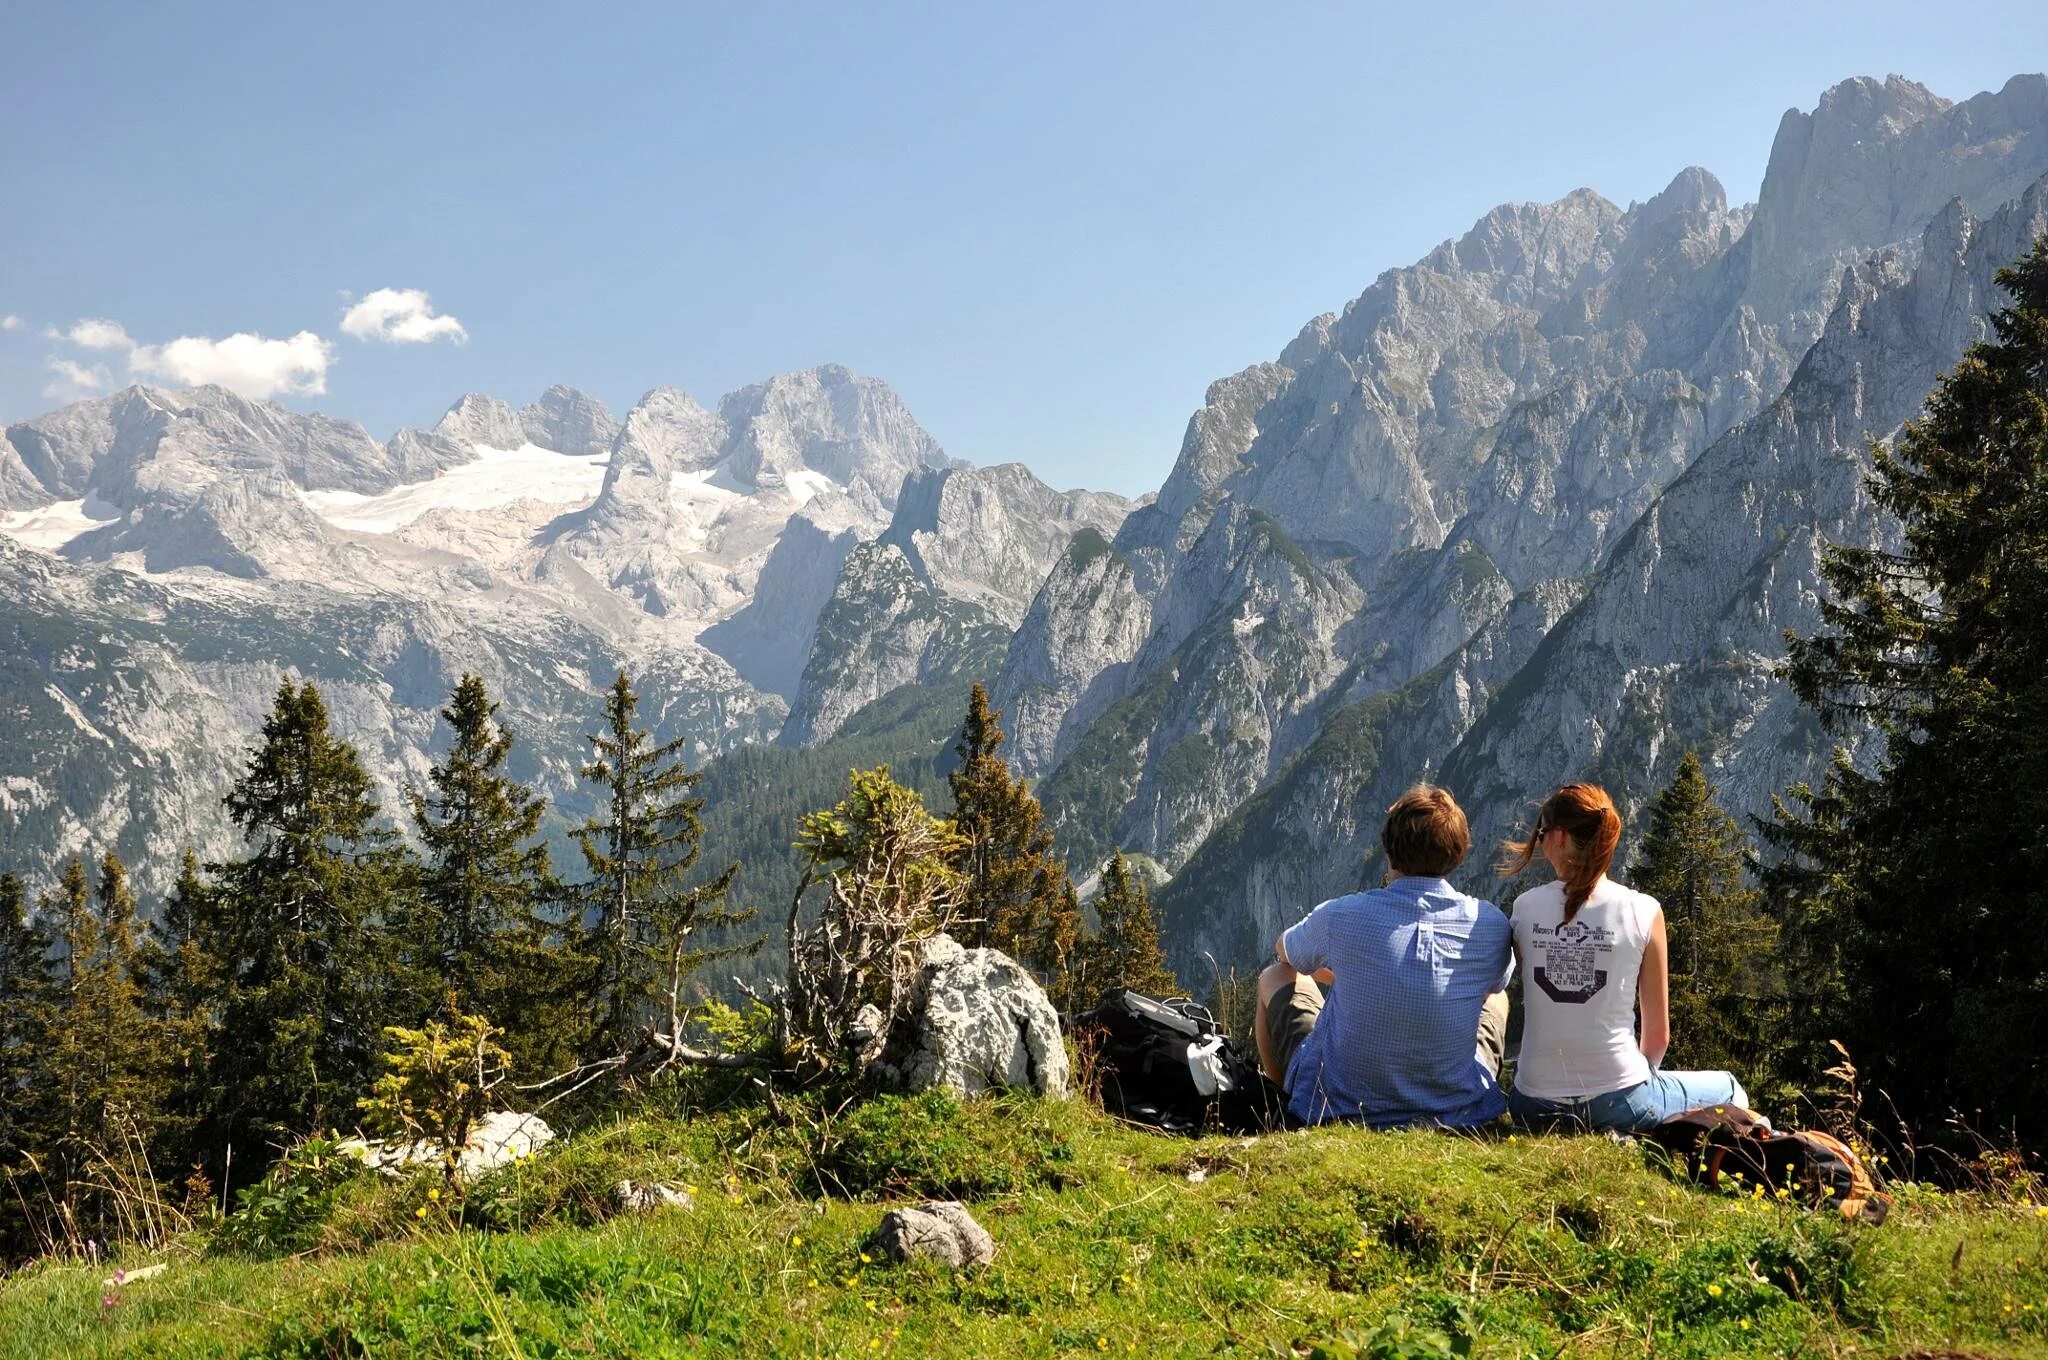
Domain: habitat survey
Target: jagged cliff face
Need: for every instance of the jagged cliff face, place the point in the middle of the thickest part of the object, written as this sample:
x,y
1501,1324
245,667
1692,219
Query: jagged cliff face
x,y
938,595
1481,441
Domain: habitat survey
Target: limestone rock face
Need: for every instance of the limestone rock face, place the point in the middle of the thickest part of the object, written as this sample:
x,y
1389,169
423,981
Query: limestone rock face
x,y
640,1197
1363,543
936,596
478,419
988,536
885,626
939,1230
979,1022
849,428
568,421
498,1139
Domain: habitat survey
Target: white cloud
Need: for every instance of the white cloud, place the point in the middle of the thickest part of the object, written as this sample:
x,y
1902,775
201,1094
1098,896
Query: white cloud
x,y
243,362
400,316
94,334
11,322
71,381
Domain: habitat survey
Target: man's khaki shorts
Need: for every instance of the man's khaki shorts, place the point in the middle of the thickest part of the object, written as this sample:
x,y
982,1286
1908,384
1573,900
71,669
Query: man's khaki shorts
x,y
1290,1015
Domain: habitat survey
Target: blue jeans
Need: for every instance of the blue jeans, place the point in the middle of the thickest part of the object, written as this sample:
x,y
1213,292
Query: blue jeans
x,y
1633,1109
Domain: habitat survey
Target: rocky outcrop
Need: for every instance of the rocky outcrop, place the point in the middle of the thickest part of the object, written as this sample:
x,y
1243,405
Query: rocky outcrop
x,y
852,430
937,1230
936,596
477,419
568,421
885,627
988,536
497,1140
978,1021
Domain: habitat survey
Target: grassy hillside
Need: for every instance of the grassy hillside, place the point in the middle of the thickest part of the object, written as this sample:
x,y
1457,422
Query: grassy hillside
x,y
1110,1241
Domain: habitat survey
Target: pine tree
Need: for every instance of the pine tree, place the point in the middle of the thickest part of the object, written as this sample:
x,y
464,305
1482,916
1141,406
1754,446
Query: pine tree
x,y
1692,861
481,930
97,1081
26,998
181,982
1936,871
642,909
1125,951
301,934
1015,888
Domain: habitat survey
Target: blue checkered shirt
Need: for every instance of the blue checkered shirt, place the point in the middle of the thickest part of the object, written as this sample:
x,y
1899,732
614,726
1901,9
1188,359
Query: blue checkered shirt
x,y
1414,962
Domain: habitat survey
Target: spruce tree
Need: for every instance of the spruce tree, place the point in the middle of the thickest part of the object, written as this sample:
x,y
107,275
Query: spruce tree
x,y
301,934
1125,951
481,929
26,997
97,1080
1692,860
1936,871
181,982
1015,888
640,907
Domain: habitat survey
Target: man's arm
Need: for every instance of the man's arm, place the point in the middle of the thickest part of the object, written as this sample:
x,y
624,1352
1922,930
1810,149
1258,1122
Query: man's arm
x,y
1323,976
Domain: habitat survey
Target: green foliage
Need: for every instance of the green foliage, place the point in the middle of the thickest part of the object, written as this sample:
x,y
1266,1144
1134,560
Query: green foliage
x,y
93,1085
1402,1244
1125,951
1692,859
285,1211
639,851
486,925
887,869
181,982
299,929
929,1146
1017,896
756,795
1399,1338
436,1084
1932,870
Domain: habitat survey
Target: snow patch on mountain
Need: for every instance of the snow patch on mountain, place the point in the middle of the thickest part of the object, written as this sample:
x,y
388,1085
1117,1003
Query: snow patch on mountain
x,y
495,478
50,527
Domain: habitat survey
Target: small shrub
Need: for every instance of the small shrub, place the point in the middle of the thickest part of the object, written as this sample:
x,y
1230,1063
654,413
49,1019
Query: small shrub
x,y
284,1212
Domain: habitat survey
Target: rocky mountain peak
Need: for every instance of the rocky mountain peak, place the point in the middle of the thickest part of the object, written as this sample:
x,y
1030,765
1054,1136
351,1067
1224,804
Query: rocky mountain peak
x,y
477,419
666,433
1868,168
829,420
1692,190
569,421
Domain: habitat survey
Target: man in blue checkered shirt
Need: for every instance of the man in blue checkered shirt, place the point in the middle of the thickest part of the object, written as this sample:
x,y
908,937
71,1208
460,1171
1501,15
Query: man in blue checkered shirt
x,y
1414,1023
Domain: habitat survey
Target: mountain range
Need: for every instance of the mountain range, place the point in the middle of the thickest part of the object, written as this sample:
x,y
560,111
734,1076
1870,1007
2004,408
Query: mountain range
x,y
1537,506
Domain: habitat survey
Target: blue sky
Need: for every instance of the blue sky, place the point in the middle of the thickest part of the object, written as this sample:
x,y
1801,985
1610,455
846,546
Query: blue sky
x,y
1048,227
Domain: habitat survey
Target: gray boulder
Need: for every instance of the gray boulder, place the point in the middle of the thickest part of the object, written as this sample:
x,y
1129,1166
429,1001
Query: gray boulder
x,y
941,1230
639,1197
978,1021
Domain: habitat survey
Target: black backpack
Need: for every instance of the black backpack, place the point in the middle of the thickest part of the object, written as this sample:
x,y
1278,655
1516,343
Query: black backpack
x,y
1168,1064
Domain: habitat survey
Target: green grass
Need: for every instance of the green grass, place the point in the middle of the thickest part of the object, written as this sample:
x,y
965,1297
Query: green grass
x,y
1529,1246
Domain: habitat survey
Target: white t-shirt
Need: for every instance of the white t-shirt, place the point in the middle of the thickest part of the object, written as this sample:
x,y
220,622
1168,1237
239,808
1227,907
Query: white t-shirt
x,y
1579,990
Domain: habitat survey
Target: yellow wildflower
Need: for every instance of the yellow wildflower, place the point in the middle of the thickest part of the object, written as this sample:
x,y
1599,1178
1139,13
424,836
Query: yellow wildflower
x,y
1713,1291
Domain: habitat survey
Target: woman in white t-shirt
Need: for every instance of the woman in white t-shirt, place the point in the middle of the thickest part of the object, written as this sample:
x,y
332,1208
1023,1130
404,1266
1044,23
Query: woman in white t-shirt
x,y
1592,954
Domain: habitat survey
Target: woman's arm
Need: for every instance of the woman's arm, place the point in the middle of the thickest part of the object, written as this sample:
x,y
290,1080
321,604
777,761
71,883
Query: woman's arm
x,y
1653,992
